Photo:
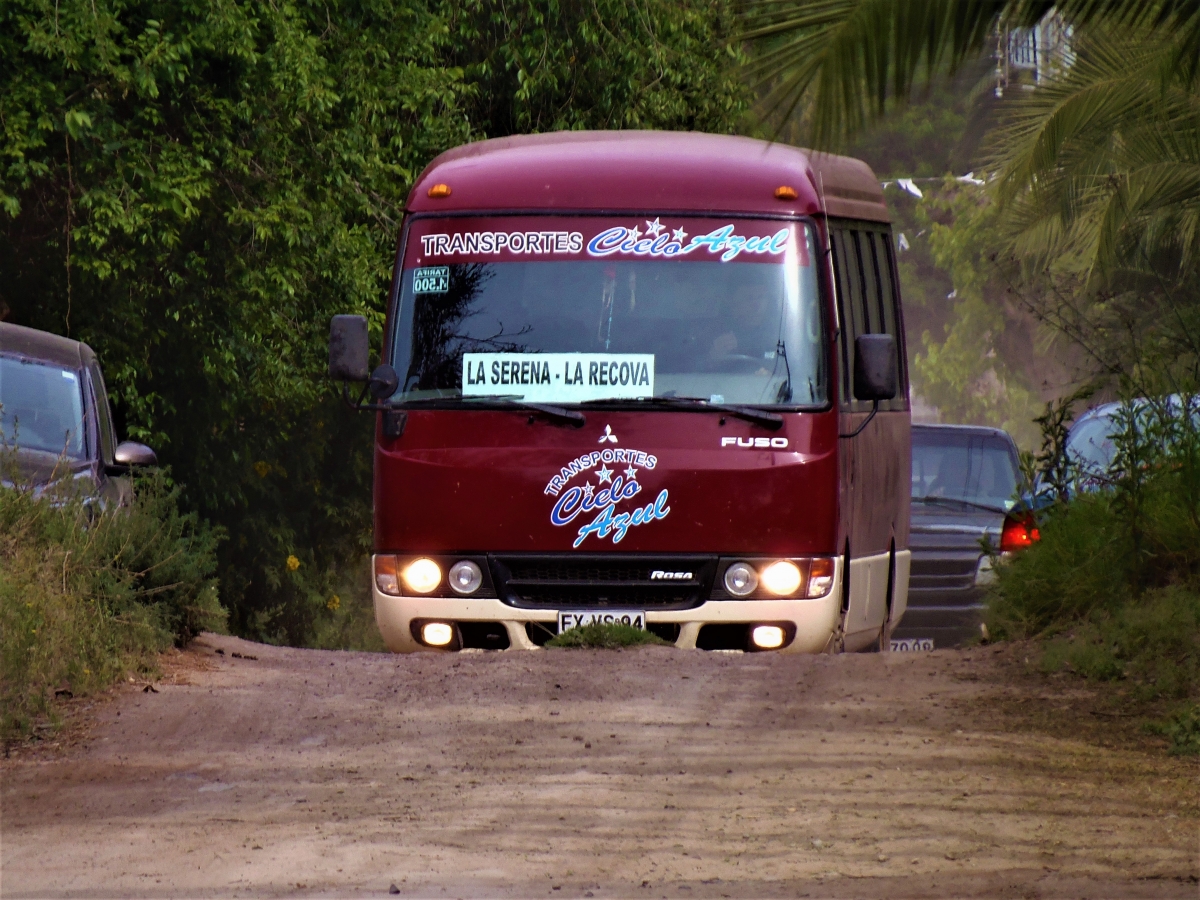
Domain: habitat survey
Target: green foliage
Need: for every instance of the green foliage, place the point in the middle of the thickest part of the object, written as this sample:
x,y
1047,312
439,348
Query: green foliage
x,y
88,594
977,370
195,187
1114,583
535,65
1182,730
604,637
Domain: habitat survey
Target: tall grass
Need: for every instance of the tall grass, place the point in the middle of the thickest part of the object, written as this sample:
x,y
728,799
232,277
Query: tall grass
x,y
88,594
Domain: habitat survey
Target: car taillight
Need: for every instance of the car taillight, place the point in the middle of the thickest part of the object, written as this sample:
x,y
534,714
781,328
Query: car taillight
x,y
1020,531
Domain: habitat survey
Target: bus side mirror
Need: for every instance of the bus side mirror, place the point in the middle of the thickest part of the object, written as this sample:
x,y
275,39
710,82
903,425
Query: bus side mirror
x,y
348,348
874,367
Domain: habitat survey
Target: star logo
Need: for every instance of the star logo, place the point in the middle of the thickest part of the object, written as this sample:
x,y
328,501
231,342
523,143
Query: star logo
x,y
607,436
630,473
653,228
604,475
588,489
634,234
678,235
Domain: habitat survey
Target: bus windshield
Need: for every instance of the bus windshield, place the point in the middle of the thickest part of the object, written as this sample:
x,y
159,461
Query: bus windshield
x,y
593,323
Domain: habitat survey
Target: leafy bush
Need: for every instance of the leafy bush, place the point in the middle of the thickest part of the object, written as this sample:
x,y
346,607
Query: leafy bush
x,y
88,594
195,187
1113,586
1183,731
604,637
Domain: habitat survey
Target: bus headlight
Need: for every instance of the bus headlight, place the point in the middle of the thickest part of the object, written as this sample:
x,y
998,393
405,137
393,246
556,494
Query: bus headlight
x,y
782,578
422,575
741,579
465,577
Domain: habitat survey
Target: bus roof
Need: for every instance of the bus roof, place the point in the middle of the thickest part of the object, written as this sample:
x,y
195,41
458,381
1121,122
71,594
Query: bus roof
x,y
647,171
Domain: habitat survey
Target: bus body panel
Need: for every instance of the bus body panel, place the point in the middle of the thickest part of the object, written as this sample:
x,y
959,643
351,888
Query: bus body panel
x,y
477,480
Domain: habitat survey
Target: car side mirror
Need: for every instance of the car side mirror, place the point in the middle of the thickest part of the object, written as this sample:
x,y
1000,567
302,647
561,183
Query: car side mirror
x,y
348,348
130,453
874,367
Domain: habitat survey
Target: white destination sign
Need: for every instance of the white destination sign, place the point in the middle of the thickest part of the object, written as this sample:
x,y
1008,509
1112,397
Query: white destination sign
x,y
559,377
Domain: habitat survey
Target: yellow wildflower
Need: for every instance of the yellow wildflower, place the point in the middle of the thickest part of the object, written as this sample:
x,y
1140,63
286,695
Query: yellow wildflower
x,y
334,603
292,563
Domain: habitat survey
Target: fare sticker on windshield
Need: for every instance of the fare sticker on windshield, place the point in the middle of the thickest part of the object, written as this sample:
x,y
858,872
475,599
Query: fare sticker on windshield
x,y
559,377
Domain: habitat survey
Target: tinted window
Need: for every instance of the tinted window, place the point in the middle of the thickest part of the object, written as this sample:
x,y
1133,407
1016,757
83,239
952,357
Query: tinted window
x,y
41,407
963,468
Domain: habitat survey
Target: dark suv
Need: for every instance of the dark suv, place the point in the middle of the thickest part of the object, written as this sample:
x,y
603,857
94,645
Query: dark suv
x,y
964,484
54,413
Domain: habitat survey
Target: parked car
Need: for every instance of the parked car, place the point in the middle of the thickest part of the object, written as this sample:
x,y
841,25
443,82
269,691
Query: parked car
x,y
964,481
55,418
1090,448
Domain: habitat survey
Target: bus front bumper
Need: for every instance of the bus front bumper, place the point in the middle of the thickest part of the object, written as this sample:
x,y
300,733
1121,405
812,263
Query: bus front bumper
x,y
810,624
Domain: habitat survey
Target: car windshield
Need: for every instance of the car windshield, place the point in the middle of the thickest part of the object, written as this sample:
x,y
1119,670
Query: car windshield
x,y
41,407
644,312
1090,446
971,468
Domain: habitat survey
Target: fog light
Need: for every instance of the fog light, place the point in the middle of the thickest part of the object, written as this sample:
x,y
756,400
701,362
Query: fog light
x,y
422,575
437,634
385,575
820,577
782,577
740,579
766,637
465,577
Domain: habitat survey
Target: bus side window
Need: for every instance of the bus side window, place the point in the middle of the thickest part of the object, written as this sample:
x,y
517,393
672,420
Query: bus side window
x,y
872,320
891,315
845,336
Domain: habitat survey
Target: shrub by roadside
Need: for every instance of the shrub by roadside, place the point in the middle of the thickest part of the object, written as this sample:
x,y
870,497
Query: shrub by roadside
x,y
604,637
88,595
1112,589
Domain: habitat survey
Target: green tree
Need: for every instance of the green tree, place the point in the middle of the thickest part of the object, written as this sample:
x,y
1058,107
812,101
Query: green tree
x,y
193,187
1102,161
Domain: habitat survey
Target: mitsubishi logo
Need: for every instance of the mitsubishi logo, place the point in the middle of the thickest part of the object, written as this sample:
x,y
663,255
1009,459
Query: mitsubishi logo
x,y
608,435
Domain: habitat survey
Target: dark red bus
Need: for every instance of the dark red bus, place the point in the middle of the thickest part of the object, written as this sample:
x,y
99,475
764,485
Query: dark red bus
x,y
645,377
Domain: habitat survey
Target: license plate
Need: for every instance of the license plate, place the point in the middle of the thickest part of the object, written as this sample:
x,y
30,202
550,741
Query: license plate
x,y
912,645
576,617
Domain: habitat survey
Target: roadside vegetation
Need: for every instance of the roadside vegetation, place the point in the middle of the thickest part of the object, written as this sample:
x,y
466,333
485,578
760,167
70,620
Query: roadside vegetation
x,y
603,636
89,595
1112,589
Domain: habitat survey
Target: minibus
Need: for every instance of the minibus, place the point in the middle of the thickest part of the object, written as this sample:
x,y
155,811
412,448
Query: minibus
x,y
655,378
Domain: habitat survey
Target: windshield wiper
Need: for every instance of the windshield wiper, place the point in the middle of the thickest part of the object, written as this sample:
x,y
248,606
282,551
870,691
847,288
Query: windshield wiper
x,y
773,421
556,413
944,500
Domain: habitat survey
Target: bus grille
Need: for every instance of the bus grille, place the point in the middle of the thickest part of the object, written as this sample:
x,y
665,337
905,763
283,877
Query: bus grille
x,y
599,582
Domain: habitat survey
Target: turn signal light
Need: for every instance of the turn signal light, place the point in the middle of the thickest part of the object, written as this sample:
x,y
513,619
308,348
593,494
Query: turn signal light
x,y
820,576
385,575
440,190
1020,531
422,575
786,192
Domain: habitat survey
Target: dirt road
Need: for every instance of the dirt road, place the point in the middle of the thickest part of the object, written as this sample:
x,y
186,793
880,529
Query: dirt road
x,y
643,773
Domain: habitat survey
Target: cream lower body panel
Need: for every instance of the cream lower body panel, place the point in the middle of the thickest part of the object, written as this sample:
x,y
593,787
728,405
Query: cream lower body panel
x,y
815,620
